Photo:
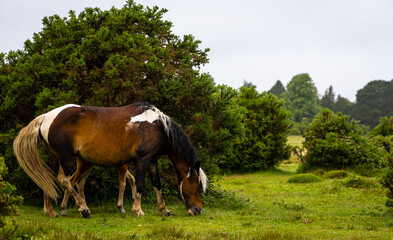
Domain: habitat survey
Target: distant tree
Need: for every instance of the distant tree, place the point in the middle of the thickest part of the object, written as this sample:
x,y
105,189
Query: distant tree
x,y
373,102
301,97
278,89
343,105
247,84
328,99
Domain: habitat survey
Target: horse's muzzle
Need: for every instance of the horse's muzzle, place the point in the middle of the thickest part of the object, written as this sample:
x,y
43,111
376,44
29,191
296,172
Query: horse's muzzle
x,y
195,211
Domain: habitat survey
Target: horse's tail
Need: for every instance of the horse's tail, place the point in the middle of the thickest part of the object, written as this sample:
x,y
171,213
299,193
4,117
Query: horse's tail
x,y
27,153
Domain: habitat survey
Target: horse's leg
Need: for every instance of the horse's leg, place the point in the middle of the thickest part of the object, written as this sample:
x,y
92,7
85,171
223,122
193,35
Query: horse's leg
x,y
64,203
141,169
68,183
122,171
131,180
155,180
80,186
48,207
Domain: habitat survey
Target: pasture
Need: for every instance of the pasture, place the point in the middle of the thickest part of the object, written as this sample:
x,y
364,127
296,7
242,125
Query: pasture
x,y
267,207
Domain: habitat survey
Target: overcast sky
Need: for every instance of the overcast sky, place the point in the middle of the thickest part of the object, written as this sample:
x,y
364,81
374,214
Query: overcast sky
x,y
343,43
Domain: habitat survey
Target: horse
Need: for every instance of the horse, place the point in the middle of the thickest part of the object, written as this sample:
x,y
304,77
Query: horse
x,y
109,137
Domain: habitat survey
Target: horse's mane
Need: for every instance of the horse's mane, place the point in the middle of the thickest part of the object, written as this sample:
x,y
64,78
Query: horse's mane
x,y
179,140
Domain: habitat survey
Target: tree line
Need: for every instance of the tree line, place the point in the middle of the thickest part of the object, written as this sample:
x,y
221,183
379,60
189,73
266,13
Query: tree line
x,y
373,101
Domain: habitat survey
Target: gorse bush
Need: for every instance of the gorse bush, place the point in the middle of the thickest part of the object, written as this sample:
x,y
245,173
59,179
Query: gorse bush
x,y
384,128
334,142
8,202
266,130
116,57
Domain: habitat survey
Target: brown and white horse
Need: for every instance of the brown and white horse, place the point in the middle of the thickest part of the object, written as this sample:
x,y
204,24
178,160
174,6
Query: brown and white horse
x,y
110,137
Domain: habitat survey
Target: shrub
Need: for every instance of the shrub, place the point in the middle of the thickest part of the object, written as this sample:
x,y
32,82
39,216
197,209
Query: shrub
x,y
334,142
267,125
384,128
304,178
8,201
355,181
387,181
336,174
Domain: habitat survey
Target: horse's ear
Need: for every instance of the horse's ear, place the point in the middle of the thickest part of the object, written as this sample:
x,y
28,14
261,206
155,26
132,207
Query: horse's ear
x,y
197,165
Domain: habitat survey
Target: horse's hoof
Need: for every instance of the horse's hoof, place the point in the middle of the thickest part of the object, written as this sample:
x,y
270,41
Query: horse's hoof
x,y
63,213
85,213
140,214
121,210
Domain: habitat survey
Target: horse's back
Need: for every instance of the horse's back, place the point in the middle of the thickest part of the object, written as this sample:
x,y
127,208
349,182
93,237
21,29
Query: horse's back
x,y
102,135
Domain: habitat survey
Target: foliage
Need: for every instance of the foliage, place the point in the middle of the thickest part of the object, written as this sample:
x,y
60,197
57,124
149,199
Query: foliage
x,y
387,181
266,130
343,105
8,202
355,181
373,102
384,128
299,127
334,142
301,97
304,178
336,174
328,99
278,89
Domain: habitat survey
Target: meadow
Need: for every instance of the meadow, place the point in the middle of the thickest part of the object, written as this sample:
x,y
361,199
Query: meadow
x,y
261,205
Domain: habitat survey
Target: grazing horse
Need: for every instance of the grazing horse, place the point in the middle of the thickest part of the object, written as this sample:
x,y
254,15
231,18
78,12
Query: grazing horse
x,y
110,137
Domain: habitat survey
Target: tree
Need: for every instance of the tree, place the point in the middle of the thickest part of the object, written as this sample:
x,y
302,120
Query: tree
x,y
373,102
278,89
247,84
301,97
343,105
328,99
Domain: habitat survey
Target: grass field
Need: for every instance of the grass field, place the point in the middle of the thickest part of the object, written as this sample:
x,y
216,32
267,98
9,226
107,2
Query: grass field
x,y
271,208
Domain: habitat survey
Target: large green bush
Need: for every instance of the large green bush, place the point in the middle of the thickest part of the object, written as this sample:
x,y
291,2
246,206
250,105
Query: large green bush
x,y
267,127
332,141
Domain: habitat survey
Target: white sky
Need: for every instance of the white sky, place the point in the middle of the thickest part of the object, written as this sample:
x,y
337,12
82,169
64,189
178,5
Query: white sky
x,y
343,43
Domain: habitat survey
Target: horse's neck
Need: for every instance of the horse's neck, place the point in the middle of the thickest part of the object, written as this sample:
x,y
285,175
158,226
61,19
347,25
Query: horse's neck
x,y
181,165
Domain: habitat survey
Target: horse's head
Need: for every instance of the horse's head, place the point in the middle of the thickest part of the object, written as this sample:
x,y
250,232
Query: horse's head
x,y
191,188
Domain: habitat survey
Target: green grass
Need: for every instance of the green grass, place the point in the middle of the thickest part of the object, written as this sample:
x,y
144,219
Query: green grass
x,y
273,209
295,141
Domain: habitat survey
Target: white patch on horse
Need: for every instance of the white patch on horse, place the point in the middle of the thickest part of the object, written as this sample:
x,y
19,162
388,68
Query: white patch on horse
x,y
49,117
150,116
147,116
